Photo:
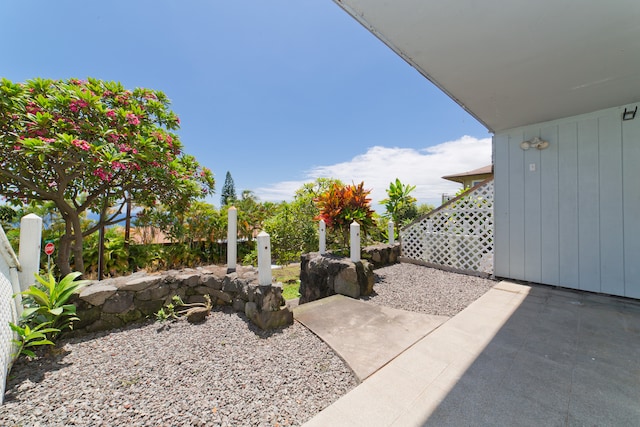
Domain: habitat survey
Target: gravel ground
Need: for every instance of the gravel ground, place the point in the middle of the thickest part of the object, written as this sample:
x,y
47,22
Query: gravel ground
x,y
224,372
426,290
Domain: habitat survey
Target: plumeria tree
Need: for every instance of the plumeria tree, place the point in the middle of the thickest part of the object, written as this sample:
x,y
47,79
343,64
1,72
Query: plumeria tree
x,y
88,146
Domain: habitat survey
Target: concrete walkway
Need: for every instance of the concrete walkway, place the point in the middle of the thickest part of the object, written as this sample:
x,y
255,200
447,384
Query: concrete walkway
x,y
518,356
365,336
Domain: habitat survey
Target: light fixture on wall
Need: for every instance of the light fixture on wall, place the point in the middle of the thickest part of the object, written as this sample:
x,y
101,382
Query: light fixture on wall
x,y
536,142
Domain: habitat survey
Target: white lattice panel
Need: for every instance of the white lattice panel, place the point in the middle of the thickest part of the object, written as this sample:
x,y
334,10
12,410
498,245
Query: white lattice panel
x,y
7,314
458,235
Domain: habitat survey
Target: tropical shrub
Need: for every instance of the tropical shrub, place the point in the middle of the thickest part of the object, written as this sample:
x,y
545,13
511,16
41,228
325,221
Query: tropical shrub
x,y
31,337
291,232
400,205
46,303
46,313
115,255
341,205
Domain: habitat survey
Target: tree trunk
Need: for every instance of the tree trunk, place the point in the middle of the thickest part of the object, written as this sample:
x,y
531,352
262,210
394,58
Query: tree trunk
x,y
77,246
64,253
71,242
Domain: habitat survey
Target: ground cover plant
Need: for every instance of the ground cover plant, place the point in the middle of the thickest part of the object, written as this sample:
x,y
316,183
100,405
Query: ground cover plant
x,y
193,312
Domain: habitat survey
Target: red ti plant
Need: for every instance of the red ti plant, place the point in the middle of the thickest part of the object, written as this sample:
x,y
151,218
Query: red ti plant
x,y
341,205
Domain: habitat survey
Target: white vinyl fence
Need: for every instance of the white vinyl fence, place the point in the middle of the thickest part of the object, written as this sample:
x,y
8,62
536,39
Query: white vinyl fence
x,y
457,236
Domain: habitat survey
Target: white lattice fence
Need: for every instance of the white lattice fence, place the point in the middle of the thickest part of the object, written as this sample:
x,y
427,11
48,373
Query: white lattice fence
x,y
8,311
458,235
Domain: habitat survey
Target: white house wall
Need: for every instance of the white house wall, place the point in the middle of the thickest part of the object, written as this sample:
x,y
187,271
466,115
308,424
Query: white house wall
x,y
569,215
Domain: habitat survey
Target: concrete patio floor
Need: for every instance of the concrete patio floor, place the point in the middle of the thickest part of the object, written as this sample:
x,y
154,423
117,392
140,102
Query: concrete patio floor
x,y
518,356
366,336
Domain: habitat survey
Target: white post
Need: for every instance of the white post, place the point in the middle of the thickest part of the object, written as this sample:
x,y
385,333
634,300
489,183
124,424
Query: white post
x,y
392,233
323,236
232,238
264,259
29,251
355,241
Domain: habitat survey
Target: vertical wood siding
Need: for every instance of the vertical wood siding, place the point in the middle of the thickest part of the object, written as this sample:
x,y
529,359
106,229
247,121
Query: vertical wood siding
x,y
631,206
573,218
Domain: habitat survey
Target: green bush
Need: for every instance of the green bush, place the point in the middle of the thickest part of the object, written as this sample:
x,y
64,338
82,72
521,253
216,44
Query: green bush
x,y
46,313
46,302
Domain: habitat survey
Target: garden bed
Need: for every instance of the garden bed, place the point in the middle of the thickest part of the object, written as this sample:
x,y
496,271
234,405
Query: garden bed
x,y
224,371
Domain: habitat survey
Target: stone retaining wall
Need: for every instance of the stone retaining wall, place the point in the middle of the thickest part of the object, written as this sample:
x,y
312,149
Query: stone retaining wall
x,y
382,254
113,303
325,275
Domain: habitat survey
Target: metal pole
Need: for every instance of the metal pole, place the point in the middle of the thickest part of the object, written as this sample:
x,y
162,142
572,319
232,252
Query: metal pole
x,y
101,253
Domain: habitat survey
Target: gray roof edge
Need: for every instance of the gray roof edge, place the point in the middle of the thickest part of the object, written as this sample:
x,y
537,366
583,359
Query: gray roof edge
x,y
480,171
359,18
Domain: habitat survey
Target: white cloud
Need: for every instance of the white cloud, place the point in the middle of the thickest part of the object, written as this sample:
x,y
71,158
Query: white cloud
x,y
380,165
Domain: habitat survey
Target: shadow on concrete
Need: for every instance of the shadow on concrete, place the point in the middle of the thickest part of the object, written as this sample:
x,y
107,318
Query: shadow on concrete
x,y
562,358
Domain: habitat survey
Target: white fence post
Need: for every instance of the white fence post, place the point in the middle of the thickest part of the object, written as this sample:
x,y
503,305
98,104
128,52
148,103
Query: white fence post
x,y
29,252
354,228
232,239
392,233
323,236
264,259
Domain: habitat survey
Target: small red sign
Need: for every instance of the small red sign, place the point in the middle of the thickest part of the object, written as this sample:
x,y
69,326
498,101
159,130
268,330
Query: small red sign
x,y
49,248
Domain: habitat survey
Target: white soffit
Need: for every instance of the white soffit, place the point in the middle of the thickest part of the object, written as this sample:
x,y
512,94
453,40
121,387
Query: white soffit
x,y
516,62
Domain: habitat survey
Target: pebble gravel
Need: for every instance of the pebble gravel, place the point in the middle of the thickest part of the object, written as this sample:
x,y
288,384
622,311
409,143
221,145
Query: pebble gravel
x,y
426,290
223,372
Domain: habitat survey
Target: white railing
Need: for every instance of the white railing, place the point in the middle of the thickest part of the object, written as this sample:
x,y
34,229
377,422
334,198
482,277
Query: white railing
x,y
457,236
16,274
9,307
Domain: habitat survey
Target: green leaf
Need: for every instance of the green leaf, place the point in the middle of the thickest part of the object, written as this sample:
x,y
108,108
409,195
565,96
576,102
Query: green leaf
x,y
48,330
41,342
41,298
28,312
16,328
69,309
28,353
56,311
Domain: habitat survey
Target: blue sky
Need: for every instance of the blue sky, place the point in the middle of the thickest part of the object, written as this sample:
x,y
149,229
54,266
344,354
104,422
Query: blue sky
x,y
278,92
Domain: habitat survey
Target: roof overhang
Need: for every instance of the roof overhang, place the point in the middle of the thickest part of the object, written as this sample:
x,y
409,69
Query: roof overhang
x,y
515,63
484,171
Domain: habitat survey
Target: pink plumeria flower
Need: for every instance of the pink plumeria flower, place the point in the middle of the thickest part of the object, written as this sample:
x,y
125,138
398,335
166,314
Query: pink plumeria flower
x,y
81,144
133,119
